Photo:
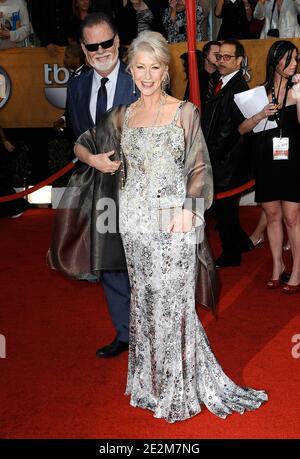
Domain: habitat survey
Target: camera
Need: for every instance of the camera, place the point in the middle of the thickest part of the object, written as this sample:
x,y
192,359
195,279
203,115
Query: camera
x,y
273,33
273,117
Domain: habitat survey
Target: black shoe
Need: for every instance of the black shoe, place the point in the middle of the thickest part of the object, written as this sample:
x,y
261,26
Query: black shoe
x,y
247,246
225,261
113,349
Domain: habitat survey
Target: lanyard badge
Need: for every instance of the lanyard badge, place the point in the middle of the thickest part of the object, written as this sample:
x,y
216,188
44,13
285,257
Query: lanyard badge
x,y
280,148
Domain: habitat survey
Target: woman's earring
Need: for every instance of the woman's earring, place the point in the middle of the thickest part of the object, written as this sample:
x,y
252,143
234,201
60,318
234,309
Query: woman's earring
x,y
133,87
166,82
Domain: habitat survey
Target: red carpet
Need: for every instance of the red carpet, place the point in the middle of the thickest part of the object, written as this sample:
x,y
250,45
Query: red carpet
x,y
52,385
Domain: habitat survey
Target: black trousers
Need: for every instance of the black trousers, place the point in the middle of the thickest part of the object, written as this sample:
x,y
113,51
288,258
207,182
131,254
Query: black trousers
x,y
233,238
16,206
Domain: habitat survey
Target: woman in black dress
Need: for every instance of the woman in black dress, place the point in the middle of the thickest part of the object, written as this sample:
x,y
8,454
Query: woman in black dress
x,y
277,170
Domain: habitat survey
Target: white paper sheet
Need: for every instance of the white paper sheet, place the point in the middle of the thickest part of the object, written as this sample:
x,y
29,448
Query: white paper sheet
x,y
251,102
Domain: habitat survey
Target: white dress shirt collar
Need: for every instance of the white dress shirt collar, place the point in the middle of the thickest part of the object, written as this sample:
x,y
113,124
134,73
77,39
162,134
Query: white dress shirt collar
x,y
110,89
227,78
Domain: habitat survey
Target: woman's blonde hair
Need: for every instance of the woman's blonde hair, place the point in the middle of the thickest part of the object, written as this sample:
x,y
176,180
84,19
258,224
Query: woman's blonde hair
x,y
152,43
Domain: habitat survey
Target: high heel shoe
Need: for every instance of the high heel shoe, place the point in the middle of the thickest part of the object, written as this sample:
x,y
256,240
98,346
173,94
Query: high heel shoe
x,y
276,283
258,242
290,289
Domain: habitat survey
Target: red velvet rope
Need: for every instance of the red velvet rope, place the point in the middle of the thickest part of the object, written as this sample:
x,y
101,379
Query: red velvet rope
x,y
56,175
233,191
68,167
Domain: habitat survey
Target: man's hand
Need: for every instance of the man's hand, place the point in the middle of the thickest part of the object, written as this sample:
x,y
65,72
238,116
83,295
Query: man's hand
x,y
59,124
102,163
52,50
8,146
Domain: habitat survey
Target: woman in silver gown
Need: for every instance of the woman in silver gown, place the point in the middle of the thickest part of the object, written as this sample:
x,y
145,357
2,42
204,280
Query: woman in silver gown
x,y
166,186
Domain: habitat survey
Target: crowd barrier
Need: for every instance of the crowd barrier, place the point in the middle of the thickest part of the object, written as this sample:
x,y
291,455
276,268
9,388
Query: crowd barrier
x,y
36,82
36,91
11,197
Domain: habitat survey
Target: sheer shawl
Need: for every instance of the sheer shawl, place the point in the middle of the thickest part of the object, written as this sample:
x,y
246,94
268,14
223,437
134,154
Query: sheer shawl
x,y
199,185
79,250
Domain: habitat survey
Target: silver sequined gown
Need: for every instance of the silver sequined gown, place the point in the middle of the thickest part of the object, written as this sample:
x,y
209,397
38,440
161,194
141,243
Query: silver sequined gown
x,y
172,369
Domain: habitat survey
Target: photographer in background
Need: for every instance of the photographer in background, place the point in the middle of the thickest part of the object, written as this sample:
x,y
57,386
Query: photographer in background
x,y
16,207
236,15
174,21
14,24
280,18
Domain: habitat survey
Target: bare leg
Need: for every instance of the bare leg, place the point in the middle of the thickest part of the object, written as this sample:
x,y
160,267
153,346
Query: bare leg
x,y
275,234
291,216
258,234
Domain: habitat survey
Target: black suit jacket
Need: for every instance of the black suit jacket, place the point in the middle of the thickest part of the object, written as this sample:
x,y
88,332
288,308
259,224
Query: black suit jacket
x,y
229,151
79,95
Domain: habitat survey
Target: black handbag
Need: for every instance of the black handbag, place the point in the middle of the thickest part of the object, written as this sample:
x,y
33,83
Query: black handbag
x,y
273,32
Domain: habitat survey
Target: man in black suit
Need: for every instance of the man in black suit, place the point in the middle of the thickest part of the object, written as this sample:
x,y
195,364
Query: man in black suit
x,y
229,151
107,84
74,61
207,69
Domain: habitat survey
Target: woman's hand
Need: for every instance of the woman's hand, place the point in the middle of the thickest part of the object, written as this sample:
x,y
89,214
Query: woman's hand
x,y
4,34
102,163
268,110
172,4
296,90
296,78
182,222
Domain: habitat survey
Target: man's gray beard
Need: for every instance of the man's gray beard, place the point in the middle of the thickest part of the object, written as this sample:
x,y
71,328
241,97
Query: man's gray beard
x,y
105,67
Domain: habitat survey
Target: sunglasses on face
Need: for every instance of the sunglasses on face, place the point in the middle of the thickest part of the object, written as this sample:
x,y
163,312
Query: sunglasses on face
x,y
225,57
104,44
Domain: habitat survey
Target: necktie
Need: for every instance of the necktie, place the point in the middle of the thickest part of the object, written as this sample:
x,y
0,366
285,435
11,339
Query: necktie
x,y
210,87
101,106
218,87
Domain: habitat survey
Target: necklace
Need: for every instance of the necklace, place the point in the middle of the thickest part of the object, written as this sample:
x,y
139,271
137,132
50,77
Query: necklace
x,y
139,104
162,102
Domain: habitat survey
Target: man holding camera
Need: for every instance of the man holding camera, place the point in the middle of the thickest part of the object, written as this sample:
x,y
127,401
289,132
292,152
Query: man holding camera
x,y
280,18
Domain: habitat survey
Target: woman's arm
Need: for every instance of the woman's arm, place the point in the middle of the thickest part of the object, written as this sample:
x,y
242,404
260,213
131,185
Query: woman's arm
x,y
24,29
248,10
219,8
250,123
260,10
296,95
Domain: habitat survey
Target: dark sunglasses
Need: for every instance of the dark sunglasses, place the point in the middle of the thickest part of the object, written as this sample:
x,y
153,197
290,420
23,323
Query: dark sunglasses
x,y
104,44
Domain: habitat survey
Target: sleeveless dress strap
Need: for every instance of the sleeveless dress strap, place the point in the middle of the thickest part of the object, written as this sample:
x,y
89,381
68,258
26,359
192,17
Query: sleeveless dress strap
x,y
126,115
177,113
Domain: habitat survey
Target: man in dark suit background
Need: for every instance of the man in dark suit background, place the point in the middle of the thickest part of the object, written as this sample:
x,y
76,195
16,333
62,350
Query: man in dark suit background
x,y
207,69
229,151
74,61
105,85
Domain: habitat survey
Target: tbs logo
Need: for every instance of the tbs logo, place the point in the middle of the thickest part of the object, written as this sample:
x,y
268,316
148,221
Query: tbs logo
x,y
5,87
56,78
